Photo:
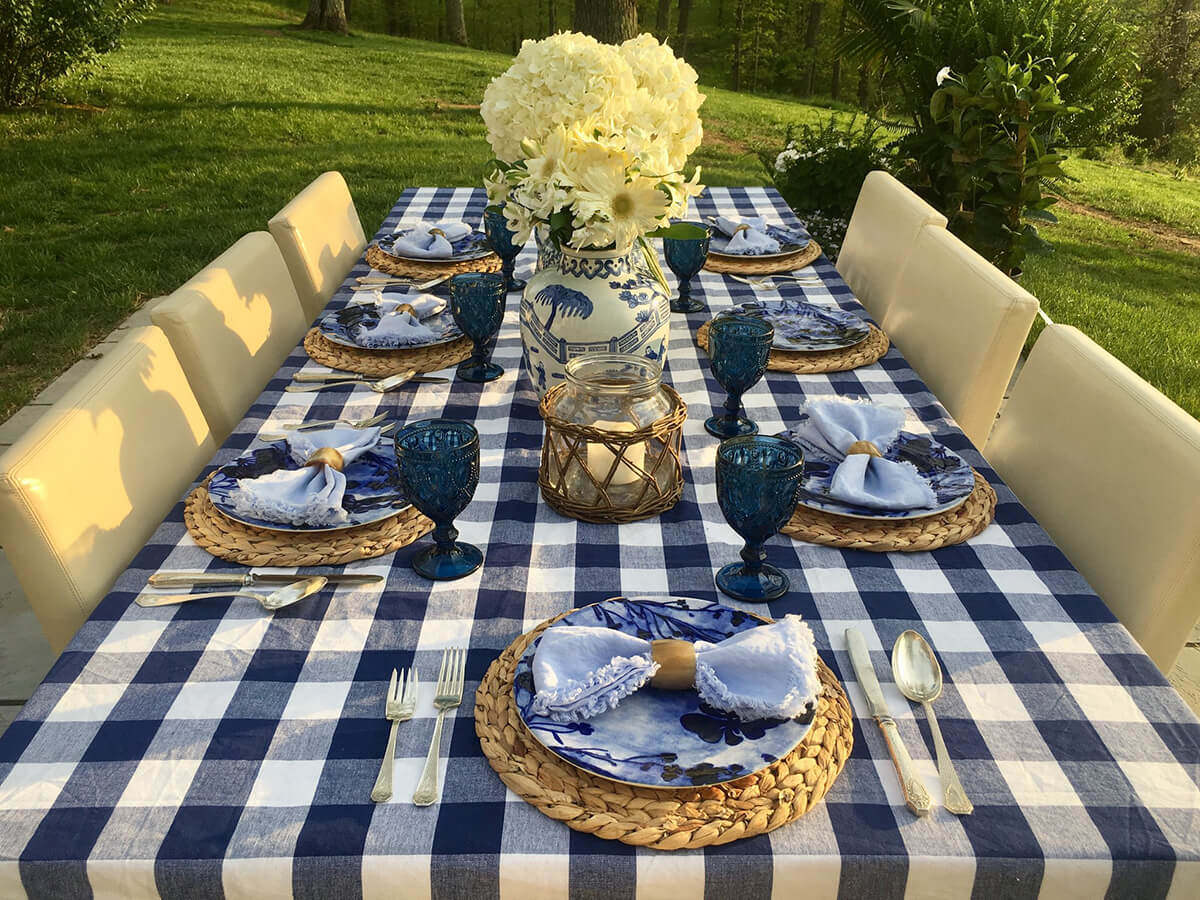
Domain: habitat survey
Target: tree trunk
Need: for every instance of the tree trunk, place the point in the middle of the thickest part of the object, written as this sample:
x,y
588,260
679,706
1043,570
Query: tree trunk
x,y
662,24
815,9
326,15
739,22
456,24
393,16
835,87
681,27
864,85
346,4
609,21
551,18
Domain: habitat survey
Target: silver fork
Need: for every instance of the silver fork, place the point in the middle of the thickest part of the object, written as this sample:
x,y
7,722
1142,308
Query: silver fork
x,y
447,696
400,705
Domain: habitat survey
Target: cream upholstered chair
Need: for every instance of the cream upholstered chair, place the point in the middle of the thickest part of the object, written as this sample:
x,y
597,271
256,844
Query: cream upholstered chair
x,y
883,228
961,323
232,325
83,489
1111,469
321,238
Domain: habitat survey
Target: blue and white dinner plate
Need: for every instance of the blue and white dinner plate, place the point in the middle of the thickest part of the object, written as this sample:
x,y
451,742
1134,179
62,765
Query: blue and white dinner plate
x,y
948,474
372,487
656,738
341,325
473,246
790,241
807,328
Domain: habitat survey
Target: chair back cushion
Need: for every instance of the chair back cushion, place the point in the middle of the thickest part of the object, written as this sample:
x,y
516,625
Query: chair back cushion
x,y
321,238
84,488
884,226
1111,469
961,323
232,325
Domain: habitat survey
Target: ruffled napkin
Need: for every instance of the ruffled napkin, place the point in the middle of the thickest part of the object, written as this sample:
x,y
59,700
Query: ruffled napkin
x,y
398,327
310,495
768,672
842,430
423,240
747,235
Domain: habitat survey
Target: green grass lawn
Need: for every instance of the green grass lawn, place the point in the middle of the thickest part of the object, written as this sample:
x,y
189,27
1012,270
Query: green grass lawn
x,y
217,112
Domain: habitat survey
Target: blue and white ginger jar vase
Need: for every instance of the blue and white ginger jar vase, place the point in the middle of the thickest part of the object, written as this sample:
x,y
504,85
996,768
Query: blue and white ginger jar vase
x,y
591,301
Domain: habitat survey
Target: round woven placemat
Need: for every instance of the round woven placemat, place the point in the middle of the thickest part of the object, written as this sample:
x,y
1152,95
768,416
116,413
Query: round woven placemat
x,y
394,265
818,362
913,535
381,363
755,265
227,539
667,819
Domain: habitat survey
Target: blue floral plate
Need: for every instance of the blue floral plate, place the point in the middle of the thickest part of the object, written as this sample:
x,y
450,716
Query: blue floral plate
x,y
474,246
372,486
790,241
341,325
948,474
657,738
807,328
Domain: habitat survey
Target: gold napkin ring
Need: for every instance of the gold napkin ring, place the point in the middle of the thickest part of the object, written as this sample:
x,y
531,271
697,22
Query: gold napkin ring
x,y
677,664
863,447
741,228
326,456
407,308
438,232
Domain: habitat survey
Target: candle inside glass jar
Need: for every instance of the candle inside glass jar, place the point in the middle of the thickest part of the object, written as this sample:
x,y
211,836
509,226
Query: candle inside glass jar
x,y
600,458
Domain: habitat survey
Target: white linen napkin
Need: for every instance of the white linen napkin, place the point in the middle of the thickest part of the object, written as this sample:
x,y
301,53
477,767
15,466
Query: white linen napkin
x,y
424,305
834,426
311,495
395,328
751,240
421,241
768,672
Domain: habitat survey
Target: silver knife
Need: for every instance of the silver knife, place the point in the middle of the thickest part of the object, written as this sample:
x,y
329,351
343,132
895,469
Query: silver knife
x,y
350,376
915,795
167,579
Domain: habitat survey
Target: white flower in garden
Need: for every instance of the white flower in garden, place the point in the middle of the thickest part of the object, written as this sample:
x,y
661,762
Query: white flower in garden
x,y
943,74
786,157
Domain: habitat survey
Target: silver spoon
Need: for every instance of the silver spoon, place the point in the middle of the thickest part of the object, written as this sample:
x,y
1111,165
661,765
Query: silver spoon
x,y
285,596
919,678
380,387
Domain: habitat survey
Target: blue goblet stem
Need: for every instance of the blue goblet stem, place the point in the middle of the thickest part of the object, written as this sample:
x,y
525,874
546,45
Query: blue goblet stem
x,y
754,555
733,404
444,535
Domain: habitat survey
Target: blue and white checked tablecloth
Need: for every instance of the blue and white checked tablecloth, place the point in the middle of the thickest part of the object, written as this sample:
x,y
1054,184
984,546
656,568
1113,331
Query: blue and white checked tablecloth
x,y
209,749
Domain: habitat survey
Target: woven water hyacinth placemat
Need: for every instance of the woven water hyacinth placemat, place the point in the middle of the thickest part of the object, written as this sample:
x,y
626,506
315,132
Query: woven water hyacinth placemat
x,y
756,265
667,819
381,363
911,535
394,265
873,348
227,539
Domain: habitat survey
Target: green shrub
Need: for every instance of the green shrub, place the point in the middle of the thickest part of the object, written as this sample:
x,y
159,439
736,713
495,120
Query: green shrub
x,y
42,40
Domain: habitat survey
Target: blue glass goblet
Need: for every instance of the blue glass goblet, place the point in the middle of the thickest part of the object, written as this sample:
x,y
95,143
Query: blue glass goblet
x,y
477,302
757,480
501,237
439,471
686,257
739,347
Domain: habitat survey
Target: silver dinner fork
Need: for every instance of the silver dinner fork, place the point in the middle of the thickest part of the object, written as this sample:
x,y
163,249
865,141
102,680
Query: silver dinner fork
x,y
447,696
399,707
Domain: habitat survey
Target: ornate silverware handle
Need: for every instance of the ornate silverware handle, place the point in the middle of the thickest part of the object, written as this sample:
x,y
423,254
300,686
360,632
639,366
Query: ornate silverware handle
x,y
956,798
383,782
427,788
174,579
915,795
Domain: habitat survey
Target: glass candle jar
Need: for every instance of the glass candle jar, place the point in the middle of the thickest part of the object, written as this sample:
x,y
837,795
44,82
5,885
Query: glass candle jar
x,y
612,440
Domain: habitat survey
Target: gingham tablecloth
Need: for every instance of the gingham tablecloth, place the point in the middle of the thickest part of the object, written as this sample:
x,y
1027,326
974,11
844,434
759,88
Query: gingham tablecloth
x,y
209,748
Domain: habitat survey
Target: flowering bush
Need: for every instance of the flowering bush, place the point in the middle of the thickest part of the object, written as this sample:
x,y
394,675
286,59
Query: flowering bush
x,y
591,139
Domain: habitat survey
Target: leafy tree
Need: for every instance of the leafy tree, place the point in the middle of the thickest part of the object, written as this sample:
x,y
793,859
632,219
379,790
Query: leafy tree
x,y
42,40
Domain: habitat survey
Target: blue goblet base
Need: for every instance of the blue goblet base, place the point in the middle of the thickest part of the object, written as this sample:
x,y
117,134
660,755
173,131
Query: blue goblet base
x,y
516,284
768,583
686,305
470,371
446,565
721,427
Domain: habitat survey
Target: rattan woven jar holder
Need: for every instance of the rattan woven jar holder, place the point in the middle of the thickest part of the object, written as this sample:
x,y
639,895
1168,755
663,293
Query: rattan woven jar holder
x,y
666,819
250,546
381,363
906,536
571,488
867,351
383,261
757,265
